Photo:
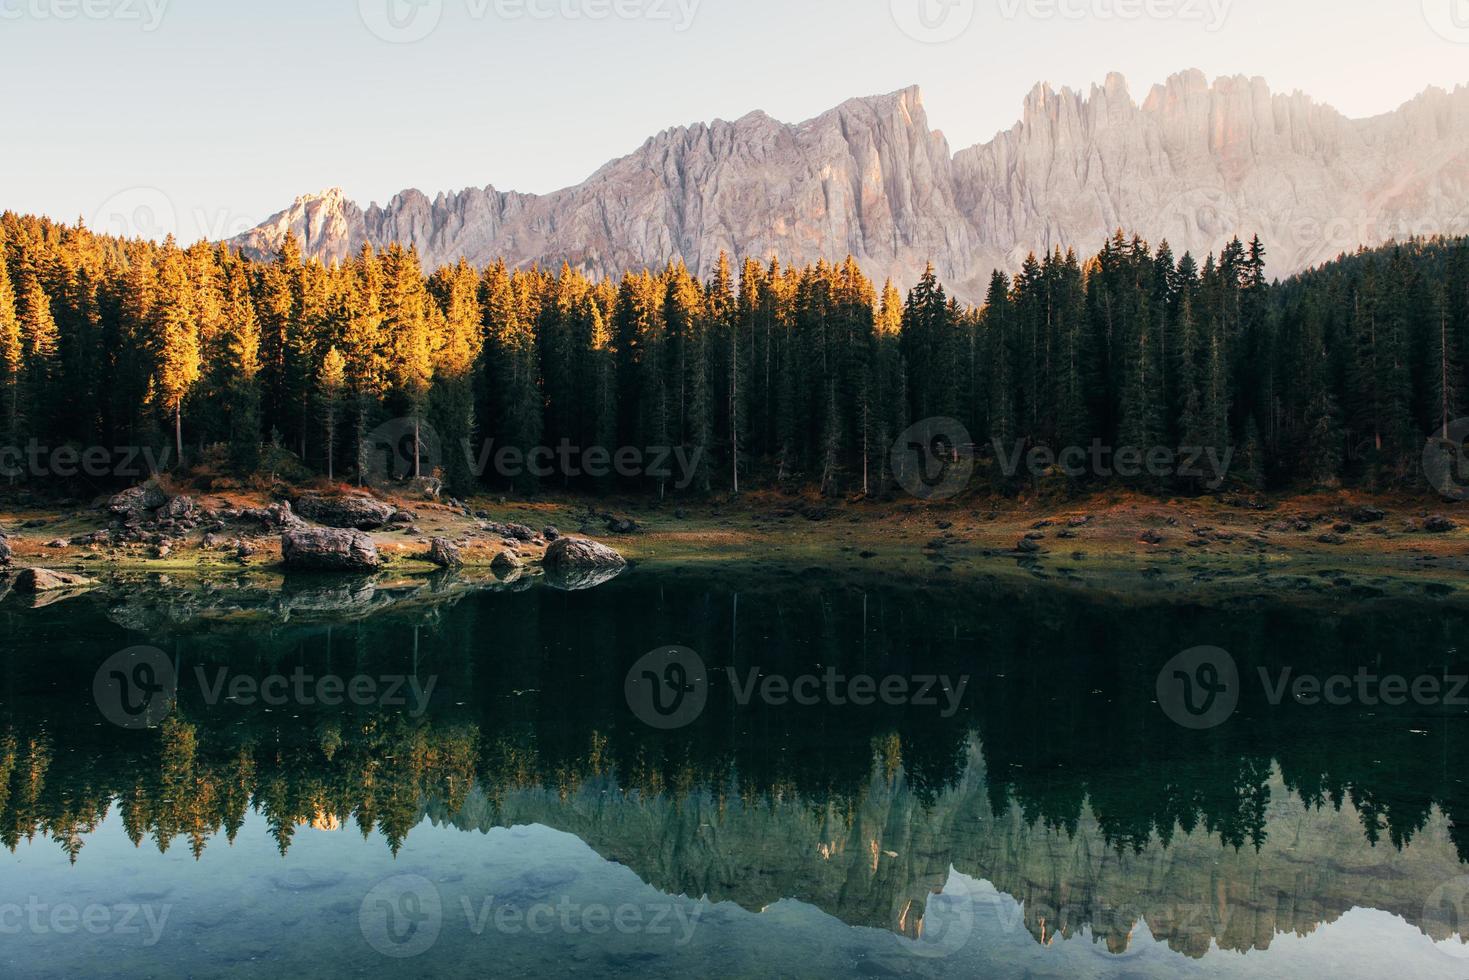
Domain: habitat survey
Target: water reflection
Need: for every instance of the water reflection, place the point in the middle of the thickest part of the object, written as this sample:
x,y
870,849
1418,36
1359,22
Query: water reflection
x,y
1059,782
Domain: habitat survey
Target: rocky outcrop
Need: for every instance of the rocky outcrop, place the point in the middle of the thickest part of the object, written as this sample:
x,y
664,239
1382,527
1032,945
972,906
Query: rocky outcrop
x,y
329,550
1194,162
355,513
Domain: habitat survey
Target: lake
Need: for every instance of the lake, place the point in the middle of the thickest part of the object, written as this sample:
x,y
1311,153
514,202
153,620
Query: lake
x,y
743,772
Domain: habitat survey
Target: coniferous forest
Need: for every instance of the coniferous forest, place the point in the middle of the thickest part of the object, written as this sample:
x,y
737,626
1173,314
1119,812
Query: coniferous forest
x,y
765,375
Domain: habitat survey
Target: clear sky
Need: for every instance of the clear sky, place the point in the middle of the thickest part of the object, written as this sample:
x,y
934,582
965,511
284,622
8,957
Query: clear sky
x,y
215,113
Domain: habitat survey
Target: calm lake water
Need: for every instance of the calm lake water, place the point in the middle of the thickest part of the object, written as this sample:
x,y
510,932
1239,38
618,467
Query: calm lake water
x,y
675,774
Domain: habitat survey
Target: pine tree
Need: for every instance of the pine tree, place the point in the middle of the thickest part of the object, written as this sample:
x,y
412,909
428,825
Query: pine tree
x,y
409,323
239,366
12,361
457,352
175,340
332,383
39,342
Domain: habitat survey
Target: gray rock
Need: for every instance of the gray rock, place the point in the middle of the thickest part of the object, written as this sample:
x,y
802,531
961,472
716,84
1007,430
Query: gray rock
x,y
507,562
568,553
1438,524
330,550
32,581
444,553
276,517
348,513
516,532
179,508
138,501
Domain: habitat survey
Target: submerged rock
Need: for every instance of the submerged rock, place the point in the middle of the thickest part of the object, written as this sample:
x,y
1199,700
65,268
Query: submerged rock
x,y
330,550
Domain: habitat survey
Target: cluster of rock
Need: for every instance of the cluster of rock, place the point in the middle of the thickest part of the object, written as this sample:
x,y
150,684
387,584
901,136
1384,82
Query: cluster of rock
x,y
318,533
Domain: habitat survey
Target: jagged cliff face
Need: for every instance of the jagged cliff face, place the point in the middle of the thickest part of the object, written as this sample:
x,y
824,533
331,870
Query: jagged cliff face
x,y
1194,163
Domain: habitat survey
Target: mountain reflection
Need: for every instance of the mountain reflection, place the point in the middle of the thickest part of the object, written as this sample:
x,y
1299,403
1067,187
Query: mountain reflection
x,y
1060,782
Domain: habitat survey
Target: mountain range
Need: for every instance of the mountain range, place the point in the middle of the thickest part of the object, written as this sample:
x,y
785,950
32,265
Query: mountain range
x,y
1194,162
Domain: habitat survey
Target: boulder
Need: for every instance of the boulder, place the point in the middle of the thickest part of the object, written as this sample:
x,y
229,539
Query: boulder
x,y
1369,515
329,550
36,580
506,563
137,501
354,513
569,553
515,532
6,554
444,553
276,517
551,533
1439,524
180,508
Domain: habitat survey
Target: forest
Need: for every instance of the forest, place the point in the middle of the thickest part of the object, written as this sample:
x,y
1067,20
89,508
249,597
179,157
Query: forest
x,y
765,375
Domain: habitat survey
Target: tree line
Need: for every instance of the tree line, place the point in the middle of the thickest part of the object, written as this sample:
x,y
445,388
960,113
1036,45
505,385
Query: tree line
x,y
762,375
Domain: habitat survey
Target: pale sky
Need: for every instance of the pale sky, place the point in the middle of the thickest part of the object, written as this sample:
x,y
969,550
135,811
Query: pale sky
x,y
213,115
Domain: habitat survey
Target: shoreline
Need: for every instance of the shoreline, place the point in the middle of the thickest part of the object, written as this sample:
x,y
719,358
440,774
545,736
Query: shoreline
x,y
1341,544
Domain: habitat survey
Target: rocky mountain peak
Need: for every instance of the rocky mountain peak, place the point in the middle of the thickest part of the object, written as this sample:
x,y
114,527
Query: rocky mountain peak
x,y
1196,162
